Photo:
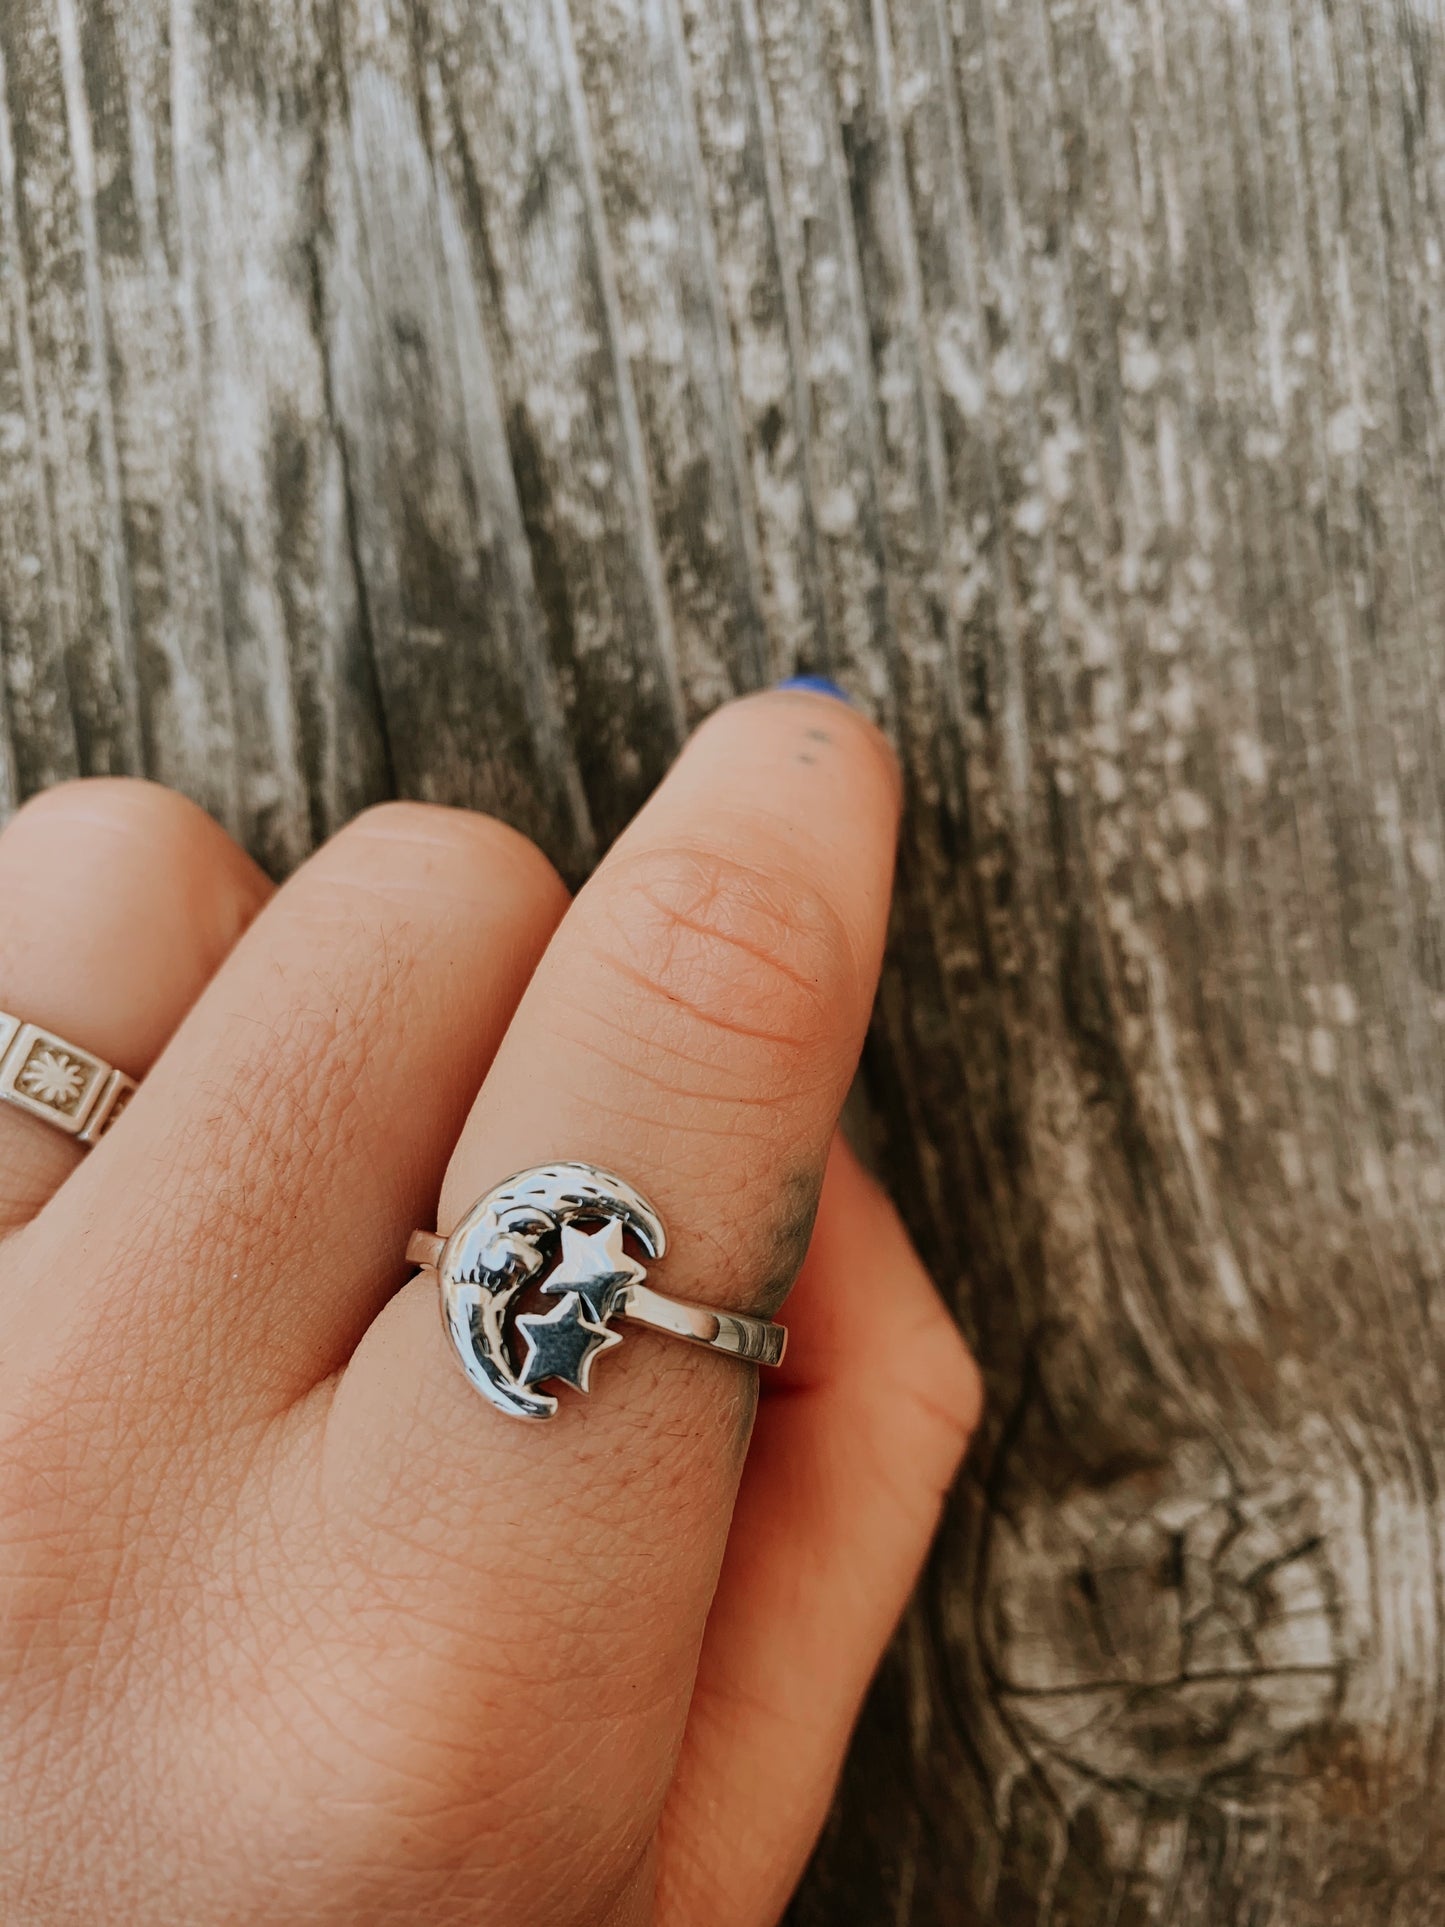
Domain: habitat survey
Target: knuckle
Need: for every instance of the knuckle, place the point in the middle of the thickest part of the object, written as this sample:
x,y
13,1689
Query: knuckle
x,y
119,841
169,827
720,955
124,798
444,843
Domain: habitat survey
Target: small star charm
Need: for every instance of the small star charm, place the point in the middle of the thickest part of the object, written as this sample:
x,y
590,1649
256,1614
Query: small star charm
x,y
595,1266
562,1343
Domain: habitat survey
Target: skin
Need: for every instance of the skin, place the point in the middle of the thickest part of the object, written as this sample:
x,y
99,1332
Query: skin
x,y
294,1627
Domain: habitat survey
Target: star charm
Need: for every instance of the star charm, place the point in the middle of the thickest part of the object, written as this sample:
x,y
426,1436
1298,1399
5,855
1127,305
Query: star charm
x,y
562,1343
595,1266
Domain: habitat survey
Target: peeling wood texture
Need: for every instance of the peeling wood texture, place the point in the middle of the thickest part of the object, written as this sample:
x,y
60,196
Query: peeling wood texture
x,y
460,397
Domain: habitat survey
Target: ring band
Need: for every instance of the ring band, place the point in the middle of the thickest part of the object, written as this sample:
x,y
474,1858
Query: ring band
x,y
73,1090
531,1231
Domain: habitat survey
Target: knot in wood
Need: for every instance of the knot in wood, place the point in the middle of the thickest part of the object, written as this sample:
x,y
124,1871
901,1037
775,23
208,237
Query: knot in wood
x,y
1159,1632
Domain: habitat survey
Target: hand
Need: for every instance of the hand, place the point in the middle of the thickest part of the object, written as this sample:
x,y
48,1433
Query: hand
x,y
294,1626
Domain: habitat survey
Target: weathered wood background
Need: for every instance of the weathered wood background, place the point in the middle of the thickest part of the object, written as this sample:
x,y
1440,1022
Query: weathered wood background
x,y
459,397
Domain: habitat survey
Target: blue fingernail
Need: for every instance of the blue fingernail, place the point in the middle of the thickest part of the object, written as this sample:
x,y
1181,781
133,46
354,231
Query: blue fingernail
x,y
817,686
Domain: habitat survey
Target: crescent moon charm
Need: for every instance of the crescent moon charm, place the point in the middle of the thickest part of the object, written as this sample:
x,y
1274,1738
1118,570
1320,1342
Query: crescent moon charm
x,y
520,1234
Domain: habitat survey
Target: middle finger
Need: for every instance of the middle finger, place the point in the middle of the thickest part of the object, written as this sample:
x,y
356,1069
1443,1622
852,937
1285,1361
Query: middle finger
x,y
693,1027
266,1175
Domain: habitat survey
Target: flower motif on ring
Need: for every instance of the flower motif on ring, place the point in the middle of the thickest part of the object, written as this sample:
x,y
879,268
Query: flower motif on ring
x,y
52,1076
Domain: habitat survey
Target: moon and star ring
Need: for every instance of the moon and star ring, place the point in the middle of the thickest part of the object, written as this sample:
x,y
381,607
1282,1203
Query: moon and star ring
x,y
560,1228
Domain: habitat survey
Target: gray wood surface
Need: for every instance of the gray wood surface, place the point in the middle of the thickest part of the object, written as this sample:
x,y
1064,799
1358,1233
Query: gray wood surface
x,y
459,397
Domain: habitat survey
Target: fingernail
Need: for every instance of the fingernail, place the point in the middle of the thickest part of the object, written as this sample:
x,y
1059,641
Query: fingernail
x,y
817,686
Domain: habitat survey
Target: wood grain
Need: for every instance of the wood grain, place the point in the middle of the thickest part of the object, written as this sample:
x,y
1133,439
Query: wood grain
x,y
460,399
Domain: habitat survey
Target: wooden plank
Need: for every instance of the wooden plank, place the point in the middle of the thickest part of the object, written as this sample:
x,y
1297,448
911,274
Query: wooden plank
x,y
65,404
459,400
523,168
37,729
632,64
456,628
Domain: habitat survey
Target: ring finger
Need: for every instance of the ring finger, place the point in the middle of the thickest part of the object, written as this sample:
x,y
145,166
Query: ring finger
x,y
120,899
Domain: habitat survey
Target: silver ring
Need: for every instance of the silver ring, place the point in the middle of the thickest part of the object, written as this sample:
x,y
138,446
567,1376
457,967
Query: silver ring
x,y
72,1089
560,1228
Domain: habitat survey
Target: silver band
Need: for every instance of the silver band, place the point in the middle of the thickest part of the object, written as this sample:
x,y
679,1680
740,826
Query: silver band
x,y
560,1228
737,1333
756,1340
73,1090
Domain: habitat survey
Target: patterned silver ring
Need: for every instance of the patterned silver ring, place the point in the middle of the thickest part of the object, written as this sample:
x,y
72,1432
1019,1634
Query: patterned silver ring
x,y
560,1228
71,1089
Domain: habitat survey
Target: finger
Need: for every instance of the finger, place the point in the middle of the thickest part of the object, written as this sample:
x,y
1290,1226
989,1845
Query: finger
x,y
118,902
283,1147
694,1027
857,1441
